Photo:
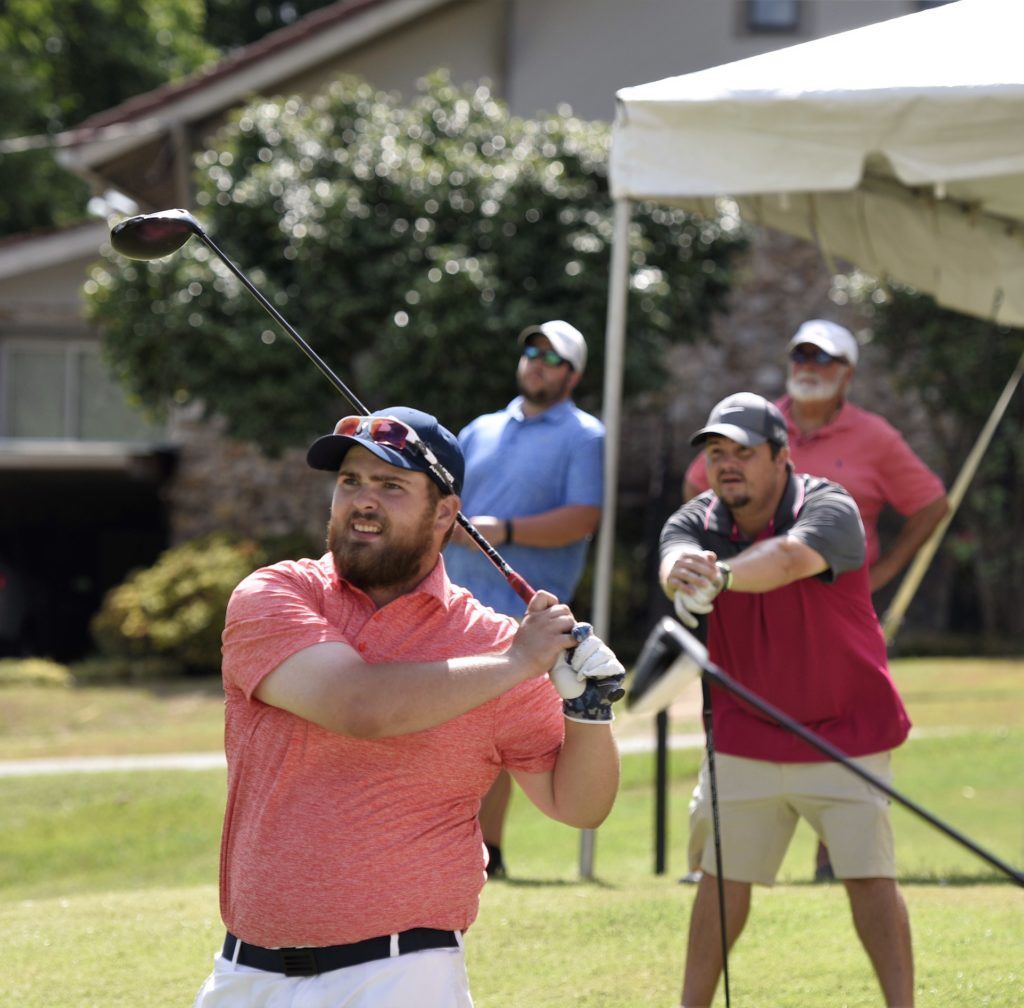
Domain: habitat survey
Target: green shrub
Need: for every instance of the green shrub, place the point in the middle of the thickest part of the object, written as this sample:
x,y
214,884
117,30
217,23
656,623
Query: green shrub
x,y
34,672
175,609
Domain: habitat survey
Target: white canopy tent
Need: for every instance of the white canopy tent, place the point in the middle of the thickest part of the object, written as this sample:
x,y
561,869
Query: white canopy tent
x,y
898,147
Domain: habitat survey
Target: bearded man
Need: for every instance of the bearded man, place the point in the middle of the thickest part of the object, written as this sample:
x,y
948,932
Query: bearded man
x,y
369,705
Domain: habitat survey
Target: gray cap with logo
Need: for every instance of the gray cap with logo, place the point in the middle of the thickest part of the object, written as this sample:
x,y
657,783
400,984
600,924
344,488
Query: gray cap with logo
x,y
746,418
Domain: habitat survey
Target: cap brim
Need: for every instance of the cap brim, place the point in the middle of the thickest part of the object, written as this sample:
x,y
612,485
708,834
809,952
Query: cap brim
x,y
822,343
740,435
329,452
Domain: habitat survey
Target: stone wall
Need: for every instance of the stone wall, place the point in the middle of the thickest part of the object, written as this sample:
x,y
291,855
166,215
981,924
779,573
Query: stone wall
x,y
223,485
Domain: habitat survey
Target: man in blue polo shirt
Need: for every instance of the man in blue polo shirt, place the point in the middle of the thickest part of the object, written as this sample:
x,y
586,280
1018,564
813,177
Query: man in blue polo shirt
x,y
533,488
775,561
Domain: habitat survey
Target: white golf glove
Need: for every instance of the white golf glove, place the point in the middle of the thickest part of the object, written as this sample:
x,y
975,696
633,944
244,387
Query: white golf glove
x,y
589,680
689,607
701,601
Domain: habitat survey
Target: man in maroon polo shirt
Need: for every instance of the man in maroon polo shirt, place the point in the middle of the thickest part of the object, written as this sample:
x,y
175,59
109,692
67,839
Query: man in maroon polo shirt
x,y
775,560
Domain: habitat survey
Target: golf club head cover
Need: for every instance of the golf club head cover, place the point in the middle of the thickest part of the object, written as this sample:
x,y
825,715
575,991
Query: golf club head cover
x,y
589,679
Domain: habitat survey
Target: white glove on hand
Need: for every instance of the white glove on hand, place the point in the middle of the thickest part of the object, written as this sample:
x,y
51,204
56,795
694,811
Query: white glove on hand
x,y
589,681
591,659
689,607
701,601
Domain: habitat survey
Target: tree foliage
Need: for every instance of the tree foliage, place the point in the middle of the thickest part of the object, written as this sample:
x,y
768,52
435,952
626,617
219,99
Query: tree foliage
x,y
957,366
231,23
64,60
409,244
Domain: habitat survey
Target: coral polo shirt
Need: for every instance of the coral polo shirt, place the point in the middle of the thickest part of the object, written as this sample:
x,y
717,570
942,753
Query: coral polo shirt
x,y
812,648
328,839
862,452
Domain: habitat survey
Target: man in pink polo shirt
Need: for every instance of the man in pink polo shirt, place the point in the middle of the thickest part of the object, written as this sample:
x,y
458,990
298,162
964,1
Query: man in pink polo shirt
x,y
370,704
775,561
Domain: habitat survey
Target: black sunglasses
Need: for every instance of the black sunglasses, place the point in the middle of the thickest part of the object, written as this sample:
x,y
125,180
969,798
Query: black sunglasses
x,y
800,355
548,357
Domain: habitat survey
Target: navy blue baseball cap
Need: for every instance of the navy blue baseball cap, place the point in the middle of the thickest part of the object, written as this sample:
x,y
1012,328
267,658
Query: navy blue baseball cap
x,y
746,418
389,443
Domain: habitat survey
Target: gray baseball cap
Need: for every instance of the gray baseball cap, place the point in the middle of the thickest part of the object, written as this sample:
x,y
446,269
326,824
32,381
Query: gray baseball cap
x,y
746,418
566,340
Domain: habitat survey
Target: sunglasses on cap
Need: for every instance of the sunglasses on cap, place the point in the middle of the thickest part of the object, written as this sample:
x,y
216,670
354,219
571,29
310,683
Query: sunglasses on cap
x,y
813,355
548,357
392,433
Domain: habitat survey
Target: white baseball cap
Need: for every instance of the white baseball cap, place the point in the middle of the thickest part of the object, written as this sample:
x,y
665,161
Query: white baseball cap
x,y
566,340
834,339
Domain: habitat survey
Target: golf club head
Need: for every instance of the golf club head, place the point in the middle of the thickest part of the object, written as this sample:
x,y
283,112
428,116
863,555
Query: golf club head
x,y
671,658
154,235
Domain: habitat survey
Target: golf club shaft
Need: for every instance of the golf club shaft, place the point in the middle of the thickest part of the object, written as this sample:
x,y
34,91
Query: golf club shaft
x,y
720,678
516,582
321,364
716,825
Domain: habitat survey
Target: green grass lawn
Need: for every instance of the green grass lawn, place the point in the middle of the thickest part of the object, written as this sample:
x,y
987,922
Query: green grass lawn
x,y
108,881
167,717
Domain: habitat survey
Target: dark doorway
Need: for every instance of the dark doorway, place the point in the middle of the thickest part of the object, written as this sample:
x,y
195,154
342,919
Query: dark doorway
x,y
66,537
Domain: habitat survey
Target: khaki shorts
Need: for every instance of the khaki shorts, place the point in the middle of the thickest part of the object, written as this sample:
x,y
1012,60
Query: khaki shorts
x,y
759,804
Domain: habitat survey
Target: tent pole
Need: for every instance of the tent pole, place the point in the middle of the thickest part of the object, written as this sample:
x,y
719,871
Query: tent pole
x,y
893,618
614,340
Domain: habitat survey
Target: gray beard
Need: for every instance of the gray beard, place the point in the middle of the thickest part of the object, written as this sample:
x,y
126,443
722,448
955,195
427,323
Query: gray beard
x,y
818,391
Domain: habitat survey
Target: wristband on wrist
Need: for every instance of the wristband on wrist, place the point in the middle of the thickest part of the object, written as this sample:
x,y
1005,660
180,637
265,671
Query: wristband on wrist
x,y
508,530
590,707
726,574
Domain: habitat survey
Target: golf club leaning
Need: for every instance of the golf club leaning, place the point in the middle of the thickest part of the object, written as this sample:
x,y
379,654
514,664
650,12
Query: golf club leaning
x,y
662,670
675,642
157,235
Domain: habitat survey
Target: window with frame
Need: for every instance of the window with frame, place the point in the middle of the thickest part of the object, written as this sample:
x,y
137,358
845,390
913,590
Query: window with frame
x,y
772,15
61,389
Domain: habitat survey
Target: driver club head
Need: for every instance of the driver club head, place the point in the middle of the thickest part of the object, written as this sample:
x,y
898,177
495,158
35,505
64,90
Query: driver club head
x,y
670,659
154,235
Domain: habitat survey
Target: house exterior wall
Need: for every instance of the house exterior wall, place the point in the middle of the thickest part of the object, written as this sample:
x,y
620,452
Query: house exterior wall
x,y
583,52
467,38
45,297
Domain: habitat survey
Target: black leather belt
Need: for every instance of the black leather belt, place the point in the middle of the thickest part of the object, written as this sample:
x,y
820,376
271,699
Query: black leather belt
x,y
311,961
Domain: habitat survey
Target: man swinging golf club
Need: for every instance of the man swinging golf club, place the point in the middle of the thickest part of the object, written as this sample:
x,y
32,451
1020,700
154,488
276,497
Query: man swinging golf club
x,y
370,703
775,561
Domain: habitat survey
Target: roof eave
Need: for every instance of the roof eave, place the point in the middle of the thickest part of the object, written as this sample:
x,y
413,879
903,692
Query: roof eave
x,y
226,88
